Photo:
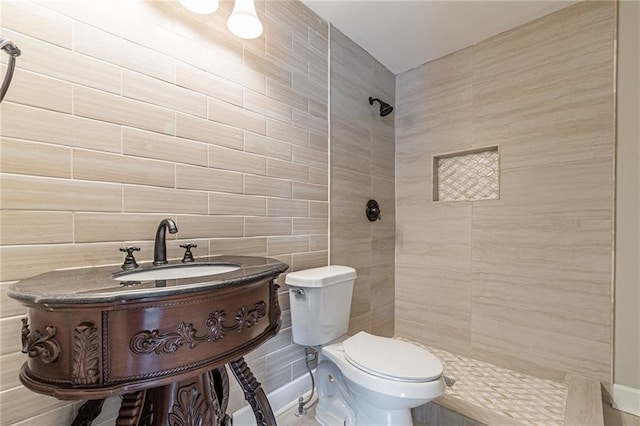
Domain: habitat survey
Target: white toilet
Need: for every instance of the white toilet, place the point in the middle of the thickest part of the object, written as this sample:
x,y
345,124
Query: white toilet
x,y
362,380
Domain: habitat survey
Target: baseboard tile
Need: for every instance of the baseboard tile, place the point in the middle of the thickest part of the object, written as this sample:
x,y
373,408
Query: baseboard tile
x,y
627,399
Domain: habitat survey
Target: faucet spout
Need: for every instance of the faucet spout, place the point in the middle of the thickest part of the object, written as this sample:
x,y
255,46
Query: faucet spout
x,y
160,245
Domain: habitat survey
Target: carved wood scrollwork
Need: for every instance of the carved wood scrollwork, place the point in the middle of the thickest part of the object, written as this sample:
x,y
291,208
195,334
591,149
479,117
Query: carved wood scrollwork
x,y
86,355
149,341
35,343
191,407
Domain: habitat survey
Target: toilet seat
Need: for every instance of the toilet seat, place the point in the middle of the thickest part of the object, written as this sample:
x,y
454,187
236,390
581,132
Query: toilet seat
x,y
391,359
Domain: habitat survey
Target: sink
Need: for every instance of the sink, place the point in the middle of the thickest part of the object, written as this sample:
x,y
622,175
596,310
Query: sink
x,y
176,272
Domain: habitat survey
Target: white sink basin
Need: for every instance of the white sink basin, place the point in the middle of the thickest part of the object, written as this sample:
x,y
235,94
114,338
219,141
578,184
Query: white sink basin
x,y
177,271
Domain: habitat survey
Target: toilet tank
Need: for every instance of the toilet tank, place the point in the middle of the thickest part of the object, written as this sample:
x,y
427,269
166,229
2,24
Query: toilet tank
x,y
320,303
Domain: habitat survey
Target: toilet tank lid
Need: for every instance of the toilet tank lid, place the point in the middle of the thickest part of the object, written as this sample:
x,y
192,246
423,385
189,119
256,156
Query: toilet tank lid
x,y
321,277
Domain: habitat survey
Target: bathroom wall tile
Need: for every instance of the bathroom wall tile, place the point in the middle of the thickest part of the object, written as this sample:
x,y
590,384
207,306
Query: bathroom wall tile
x,y
286,132
237,204
40,125
10,307
33,227
258,61
306,87
287,170
318,209
20,403
278,207
118,110
310,157
266,226
309,226
57,62
190,177
318,41
55,256
230,159
284,56
92,165
318,242
144,199
10,337
11,364
208,131
35,193
316,60
447,292
209,84
258,185
302,261
25,158
235,116
241,246
109,47
310,122
39,91
307,191
157,92
286,95
99,15
97,227
266,106
209,226
232,69
318,142
145,144
268,147
318,176
287,245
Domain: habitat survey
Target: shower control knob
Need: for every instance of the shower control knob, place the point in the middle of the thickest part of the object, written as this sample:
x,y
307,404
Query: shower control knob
x,y
373,211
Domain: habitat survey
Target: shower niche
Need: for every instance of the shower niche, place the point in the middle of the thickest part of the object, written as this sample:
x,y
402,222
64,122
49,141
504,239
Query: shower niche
x,y
470,175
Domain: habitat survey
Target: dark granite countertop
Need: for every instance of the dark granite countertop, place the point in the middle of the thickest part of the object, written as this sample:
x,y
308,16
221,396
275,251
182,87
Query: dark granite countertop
x,y
97,284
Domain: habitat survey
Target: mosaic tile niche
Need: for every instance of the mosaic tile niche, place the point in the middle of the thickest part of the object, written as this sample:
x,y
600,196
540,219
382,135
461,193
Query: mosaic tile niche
x,y
467,176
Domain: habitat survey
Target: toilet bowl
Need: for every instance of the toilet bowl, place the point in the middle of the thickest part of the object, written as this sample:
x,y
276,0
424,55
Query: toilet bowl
x,y
363,379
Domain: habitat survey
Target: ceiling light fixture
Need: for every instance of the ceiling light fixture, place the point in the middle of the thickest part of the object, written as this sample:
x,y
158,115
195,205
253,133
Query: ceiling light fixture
x,y
202,7
244,22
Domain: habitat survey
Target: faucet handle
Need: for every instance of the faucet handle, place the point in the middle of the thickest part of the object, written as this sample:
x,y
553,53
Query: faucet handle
x,y
188,256
129,261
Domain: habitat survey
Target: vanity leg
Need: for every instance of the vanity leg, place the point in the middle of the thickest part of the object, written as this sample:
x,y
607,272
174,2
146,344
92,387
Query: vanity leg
x,y
253,393
88,412
135,410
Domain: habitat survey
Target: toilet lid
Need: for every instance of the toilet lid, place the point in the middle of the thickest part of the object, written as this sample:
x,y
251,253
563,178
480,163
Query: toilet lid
x,y
391,358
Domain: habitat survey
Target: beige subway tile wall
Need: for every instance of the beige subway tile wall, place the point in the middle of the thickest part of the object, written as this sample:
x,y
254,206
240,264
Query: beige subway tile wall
x,y
524,281
362,168
122,113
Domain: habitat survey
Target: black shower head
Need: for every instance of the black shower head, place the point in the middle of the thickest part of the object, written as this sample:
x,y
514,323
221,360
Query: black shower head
x,y
385,108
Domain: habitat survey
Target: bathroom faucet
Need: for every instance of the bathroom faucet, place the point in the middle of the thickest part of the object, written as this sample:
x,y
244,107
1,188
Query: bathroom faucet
x,y
160,246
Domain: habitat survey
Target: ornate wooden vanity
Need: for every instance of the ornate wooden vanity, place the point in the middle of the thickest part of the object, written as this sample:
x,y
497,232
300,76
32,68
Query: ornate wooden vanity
x,y
161,345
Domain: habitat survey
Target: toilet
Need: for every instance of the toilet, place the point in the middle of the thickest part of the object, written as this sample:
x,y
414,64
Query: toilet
x,y
362,380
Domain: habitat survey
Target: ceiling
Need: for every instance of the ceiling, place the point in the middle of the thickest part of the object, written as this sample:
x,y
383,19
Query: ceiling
x,y
405,34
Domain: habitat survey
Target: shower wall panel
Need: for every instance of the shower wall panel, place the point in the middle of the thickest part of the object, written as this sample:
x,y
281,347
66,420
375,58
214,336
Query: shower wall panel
x,y
525,280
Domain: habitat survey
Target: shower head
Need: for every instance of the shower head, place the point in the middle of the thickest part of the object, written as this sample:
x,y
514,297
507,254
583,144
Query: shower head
x,y
385,108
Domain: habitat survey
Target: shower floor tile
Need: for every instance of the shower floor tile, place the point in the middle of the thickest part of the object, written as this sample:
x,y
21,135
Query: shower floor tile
x,y
526,399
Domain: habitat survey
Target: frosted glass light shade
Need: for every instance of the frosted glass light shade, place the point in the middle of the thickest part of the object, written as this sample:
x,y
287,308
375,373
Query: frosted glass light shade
x,y
244,22
202,7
